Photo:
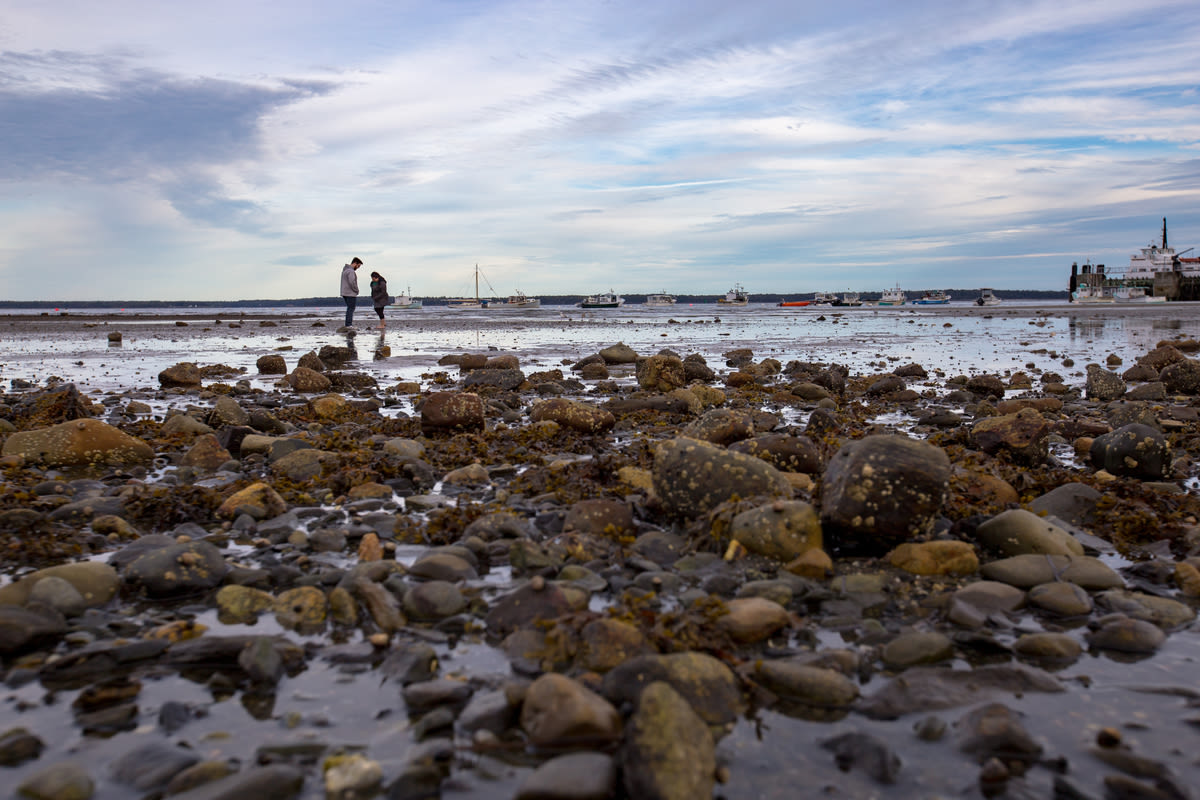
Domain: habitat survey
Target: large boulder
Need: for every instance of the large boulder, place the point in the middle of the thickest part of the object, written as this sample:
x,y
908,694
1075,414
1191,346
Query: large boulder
x,y
661,373
721,426
783,530
783,451
1102,385
692,477
182,375
452,412
619,353
1135,450
79,443
668,753
1182,377
573,414
304,379
1022,436
881,490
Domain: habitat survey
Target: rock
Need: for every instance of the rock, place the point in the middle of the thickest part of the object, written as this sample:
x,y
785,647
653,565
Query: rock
x,y
1103,386
1062,599
308,381
21,629
95,581
61,781
258,500
503,379
336,356
183,375
933,688
452,412
783,529
352,776
752,619
882,489
303,464
526,606
1027,571
863,751
692,477
433,600
619,353
1018,531
1126,635
18,745
995,731
271,364
302,609
784,452
206,453
1135,450
184,424
573,414
575,776
600,517
606,643
177,570
242,604
60,595
910,649
1073,503
668,752
985,386
1022,436
1182,377
443,565
721,426
1164,612
559,711
151,766
78,443
1048,647
802,683
226,412
272,782
938,557
661,373
708,685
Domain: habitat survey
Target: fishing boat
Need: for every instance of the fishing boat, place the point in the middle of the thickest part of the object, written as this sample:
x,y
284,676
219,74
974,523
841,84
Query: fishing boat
x,y
824,299
987,298
1134,294
661,299
893,297
735,297
406,302
607,299
793,303
932,298
519,301
476,301
848,299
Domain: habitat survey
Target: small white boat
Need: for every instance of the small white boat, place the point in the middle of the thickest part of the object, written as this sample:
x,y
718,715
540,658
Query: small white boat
x,y
987,298
893,297
932,298
661,299
849,299
824,299
1089,295
1134,294
406,302
607,299
519,301
735,297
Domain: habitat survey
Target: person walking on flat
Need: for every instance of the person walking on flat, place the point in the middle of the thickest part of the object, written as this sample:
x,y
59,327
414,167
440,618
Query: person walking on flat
x,y
379,296
350,288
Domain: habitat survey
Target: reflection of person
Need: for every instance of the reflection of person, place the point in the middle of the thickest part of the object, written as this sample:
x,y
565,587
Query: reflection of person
x,y
379,296
350,288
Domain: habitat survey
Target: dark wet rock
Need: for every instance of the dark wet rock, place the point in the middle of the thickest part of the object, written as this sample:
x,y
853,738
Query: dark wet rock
x,y
1057,647
887,385
668,752
151,766
607,643
619,353
561,712
529,603
308,381
177,570
426,695
271,364
505,379
1017,531
1027,571
22,629
381,605
271,782
692,477
185,374
782,451
708,685
721,426
921,647
18,745
996,731
59,595
443,566
783,529
669,403
1135,450
1071,502
1165,612
102,658
752,619
864,752
79,443
433,600
96,582
65,780
301,464
985,386
410,662
661,373
335,356
933,688
600,517
261,661
1126,635
573,414
1102,385
225,412
206,453
911,370
795,681
1182,377
575,776
881,490
660,547
1161,356
1021,436
1133,411
224,652
499,525
1060,598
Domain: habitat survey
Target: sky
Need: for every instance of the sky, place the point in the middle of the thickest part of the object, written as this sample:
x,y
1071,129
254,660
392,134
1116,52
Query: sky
x,y
247,150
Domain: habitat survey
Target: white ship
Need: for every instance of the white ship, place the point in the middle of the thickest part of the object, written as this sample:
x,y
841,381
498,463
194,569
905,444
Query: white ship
x,y
1160,258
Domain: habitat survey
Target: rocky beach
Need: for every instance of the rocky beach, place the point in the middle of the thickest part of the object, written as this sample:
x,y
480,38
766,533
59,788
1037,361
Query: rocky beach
x,y
894,553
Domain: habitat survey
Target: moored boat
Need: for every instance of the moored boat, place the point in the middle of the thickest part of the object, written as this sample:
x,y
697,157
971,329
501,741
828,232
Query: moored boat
x,y
519,301
406,302
607,299
893,297
987,298
735,297
849,300
1134,294
660,299
824,299
793,303
932,298
476,301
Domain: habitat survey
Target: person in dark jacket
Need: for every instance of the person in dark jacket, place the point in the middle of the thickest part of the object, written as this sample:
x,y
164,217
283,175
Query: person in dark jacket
x,y
379,296
350,288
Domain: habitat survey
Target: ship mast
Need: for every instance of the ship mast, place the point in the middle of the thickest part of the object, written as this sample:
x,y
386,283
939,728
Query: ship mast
x,y
1164,247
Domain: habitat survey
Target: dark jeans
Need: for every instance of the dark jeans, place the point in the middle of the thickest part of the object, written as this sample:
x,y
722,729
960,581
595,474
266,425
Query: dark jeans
x,y
351,302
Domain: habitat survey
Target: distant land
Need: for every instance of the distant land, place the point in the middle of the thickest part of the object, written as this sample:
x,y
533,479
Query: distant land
x,y
957,295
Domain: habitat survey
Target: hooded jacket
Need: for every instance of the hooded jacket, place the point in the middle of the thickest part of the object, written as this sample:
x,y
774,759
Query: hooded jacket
x,y
349,281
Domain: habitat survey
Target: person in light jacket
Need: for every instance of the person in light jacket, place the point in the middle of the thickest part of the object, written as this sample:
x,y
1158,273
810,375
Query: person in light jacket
x,y
379,296
350,288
